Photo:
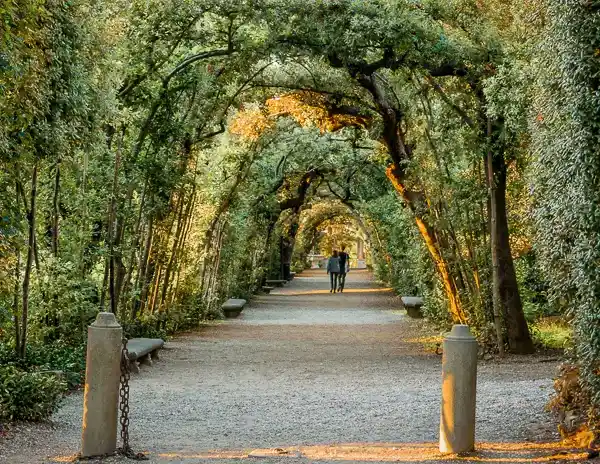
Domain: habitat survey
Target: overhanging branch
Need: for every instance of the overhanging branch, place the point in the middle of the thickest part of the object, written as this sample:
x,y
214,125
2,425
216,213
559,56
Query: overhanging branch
x,y
193,59
462,113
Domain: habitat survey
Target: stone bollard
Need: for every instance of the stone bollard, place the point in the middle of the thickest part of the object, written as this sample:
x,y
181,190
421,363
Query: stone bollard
x,y
459,380
102,375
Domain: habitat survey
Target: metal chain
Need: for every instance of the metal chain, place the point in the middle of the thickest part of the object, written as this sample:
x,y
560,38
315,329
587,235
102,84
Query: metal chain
x,y
125,449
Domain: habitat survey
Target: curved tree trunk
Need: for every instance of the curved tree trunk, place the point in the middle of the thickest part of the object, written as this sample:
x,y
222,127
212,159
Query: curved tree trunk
x,y
400,153
431,242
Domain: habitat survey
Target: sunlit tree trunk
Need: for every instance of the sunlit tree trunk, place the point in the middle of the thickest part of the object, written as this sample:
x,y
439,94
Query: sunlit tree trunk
x,y
137,237
179,246
431,242
401,153
151,304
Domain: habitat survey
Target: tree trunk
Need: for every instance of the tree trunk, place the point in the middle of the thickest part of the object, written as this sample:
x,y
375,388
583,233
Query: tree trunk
x,y
288,242
55,211
174,249
138,231
112,232
217,263
84,216
519,339
186,221
16,303
16,313
35,245
143,272
29,263
430,238
120,269
493,220
151,304
104,286
265,251
401,153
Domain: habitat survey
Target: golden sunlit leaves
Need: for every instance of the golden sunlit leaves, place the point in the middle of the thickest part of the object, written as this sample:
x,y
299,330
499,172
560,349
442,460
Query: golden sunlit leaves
x,y
306,108
582,438
250,124
311,108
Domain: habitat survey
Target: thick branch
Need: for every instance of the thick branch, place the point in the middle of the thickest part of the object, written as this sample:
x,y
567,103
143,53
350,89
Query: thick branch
x,y
336,95
297,201
462,113
132,82
447,69
228,105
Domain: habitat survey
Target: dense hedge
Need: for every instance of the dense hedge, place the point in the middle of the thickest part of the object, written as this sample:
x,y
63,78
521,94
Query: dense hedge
x,y
566,135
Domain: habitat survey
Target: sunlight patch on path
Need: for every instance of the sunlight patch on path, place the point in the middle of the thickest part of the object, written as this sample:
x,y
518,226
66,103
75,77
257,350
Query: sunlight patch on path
x,y
283,292
401,452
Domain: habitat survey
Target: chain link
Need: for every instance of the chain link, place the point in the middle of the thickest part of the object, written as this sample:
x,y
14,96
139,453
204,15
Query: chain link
x,y
125,449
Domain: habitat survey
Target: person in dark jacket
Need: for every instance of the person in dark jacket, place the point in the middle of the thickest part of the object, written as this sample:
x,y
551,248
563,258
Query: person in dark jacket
x,y
344,268
333,269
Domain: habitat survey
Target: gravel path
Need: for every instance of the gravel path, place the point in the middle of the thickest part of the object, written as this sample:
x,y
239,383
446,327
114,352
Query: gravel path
x,y
303,367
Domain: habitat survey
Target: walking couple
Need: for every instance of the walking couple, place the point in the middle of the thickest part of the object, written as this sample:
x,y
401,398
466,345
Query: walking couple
x,y
337,268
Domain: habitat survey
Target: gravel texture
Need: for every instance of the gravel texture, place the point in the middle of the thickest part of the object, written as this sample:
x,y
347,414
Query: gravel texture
x,y
303,367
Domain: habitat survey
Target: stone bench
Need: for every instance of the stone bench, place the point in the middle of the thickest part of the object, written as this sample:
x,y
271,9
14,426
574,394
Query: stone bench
x,y
276,283
233,307
143,351
413,304
267,289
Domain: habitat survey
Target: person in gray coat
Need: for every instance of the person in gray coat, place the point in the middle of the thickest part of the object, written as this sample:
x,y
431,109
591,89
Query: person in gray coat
x,y
333,269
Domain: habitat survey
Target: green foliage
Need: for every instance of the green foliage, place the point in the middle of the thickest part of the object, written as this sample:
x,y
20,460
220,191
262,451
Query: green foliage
x,y
69,360
30,396
146,327
533,288
554,334
566,133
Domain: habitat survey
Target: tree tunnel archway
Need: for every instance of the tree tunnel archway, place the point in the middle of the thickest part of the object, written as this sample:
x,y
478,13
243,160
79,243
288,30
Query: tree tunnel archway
x,y
397,83
327,225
